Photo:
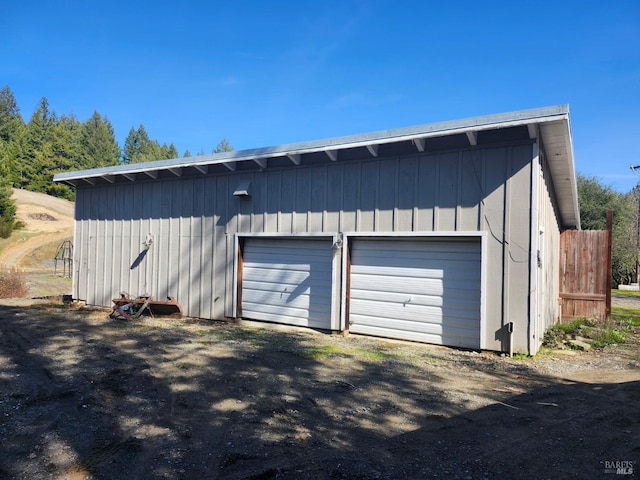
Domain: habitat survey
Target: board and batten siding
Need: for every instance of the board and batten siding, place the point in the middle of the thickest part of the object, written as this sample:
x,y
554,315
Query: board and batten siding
x,y
548,253
192,221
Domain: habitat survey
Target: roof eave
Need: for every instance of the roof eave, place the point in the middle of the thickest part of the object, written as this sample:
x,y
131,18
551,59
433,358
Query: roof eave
x,y
503,120
562,160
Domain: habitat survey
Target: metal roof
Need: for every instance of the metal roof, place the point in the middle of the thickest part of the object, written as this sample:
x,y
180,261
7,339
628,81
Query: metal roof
x,y
548,124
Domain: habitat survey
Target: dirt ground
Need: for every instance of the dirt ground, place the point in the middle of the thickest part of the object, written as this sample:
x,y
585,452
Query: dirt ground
x,y
83,396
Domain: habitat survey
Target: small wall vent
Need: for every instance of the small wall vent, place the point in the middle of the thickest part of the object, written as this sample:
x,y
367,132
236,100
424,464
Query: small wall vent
x,y
243,190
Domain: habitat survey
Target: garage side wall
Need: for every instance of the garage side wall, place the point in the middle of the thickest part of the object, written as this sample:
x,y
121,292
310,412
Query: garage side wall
x,y
189,243
192,220
548,293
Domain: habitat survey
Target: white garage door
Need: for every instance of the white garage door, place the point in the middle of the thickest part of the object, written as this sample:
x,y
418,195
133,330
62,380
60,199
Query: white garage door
x,y
288,281
423,290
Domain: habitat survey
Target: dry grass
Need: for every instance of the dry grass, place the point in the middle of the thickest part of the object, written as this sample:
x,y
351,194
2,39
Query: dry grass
x,y
13,284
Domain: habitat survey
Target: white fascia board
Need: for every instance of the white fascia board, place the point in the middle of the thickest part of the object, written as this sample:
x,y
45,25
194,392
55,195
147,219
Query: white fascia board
x,y
409,135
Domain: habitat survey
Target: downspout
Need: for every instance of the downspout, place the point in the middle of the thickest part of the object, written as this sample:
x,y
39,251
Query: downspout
x,y
510,330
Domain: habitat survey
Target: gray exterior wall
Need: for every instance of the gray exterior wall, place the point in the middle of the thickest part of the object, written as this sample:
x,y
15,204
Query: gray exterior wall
x,y
192,221
548,250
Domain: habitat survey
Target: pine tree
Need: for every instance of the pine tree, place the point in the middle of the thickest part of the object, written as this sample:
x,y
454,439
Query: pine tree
x,y
12,137
138,147
53,145
98,141
38,146
223,146
10,118
168,151
131,148
7,210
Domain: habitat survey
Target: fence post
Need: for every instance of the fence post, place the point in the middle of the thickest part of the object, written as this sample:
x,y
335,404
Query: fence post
x,y
609,261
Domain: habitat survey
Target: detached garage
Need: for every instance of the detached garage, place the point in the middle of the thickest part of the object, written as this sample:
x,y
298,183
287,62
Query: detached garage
x,y
444,233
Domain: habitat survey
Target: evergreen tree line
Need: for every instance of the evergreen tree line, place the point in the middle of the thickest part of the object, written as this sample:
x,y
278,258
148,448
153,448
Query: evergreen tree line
x,y
32,152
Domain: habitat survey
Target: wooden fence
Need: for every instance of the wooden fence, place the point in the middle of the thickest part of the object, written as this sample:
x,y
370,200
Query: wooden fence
x,y
585,272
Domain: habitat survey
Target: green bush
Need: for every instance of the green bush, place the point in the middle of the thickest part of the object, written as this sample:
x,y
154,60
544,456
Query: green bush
x,y
6,228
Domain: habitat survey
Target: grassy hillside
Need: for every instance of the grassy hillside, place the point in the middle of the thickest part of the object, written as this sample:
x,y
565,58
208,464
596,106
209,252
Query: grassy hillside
x,y
31,250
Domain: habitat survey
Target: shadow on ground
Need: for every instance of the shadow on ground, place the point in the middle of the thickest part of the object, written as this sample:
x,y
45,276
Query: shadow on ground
x,y
82,396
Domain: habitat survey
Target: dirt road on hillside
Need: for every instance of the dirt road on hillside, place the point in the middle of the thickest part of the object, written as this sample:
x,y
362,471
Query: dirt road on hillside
x,y
31,250
47,222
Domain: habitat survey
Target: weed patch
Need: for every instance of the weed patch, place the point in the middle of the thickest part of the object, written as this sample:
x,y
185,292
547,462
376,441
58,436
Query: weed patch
x,y
522,356
608,336
328,351
599,334
576,326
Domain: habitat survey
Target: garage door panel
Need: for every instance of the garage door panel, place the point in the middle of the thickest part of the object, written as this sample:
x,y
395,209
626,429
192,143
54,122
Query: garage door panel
x,y
294,319
286,278
402,300
425,290
407,259
280,266
377,247
424,326
396,298
426,297
430,286
264,299
464,272
288,287
299,300
288,281
300,311
292,257
444,339
412,311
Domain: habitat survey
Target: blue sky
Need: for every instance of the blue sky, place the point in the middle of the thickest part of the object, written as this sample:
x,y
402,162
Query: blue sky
x,y
264,73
